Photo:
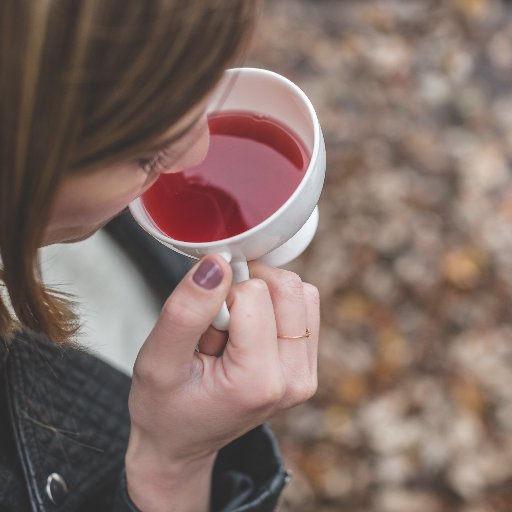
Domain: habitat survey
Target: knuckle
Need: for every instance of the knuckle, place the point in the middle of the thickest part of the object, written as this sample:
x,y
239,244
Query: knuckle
x,y
290,285
252,291
145,374
313,388
180,315
265,396
311,293
274,392
301,391
254,286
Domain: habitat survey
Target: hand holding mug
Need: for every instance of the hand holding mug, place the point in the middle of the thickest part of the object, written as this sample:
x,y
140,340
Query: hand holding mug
x,y
186,405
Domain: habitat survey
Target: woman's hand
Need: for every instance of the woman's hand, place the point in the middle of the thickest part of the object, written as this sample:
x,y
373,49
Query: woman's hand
x,y
186,405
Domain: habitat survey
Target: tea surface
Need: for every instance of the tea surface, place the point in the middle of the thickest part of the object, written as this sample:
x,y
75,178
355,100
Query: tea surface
x,y
253,166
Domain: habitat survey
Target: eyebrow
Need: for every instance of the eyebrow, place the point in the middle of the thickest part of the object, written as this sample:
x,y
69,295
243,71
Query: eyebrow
x,y
176,136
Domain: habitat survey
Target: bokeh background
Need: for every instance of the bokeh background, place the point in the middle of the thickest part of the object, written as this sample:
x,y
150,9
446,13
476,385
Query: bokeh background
x,y
413,256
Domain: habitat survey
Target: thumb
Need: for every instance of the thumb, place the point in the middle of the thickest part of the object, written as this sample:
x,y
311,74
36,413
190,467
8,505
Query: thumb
x,y
188,312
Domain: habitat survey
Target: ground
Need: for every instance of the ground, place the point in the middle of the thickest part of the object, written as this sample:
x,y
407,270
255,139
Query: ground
x,y
413,257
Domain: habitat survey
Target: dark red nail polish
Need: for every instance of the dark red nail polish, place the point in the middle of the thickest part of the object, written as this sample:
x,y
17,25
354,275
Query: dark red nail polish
x,y
208,275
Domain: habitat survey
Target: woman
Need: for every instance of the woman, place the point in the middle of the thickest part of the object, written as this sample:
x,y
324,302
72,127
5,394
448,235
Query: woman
x,y
98,98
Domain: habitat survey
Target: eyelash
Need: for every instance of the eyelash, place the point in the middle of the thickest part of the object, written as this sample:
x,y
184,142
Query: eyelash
x,y
158,162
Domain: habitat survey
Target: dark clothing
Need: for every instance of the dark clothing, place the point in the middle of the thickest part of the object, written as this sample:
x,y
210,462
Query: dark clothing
x,y
64,413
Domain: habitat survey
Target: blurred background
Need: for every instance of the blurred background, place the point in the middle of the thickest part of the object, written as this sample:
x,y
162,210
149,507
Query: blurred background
x,y
413,257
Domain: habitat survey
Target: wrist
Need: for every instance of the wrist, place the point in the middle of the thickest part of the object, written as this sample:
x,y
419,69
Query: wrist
x,y
158,484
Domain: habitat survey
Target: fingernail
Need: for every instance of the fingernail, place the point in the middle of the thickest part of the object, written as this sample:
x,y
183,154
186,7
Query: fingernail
x,y
208,275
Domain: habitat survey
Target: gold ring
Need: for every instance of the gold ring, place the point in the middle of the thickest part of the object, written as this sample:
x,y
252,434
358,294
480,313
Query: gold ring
x,y
307,334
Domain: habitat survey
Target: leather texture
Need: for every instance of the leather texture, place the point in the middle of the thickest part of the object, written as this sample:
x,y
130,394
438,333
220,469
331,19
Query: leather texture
x,y
67,414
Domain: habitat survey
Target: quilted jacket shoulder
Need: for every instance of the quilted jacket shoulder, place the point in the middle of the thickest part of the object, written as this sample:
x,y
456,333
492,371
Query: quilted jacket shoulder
x,y
69,417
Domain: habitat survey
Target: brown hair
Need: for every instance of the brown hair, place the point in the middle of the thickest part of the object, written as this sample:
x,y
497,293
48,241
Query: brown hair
x,y
87,82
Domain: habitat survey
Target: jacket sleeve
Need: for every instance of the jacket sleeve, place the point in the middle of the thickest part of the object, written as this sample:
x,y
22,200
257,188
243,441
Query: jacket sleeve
x,y
248,476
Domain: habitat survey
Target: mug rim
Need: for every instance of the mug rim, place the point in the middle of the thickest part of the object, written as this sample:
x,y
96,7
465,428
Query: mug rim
x,y
153,229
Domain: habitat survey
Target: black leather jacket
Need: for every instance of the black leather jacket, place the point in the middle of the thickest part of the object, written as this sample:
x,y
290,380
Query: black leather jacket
x,y
63,432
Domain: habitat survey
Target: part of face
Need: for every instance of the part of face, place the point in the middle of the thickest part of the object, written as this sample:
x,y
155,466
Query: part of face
x,y
86,202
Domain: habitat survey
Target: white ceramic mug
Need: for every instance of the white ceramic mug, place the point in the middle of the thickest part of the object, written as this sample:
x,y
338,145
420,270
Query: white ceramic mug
x,y
288,231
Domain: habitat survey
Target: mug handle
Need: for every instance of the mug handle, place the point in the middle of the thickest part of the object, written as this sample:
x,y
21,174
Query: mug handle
x,y
278,257
240,273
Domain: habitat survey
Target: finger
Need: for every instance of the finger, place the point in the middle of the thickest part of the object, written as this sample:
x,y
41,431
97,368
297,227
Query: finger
x,y
312,299
287,294
187,314
252,341
212,342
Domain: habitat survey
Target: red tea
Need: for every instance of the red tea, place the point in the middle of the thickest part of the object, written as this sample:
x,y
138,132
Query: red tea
x,y
253,166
